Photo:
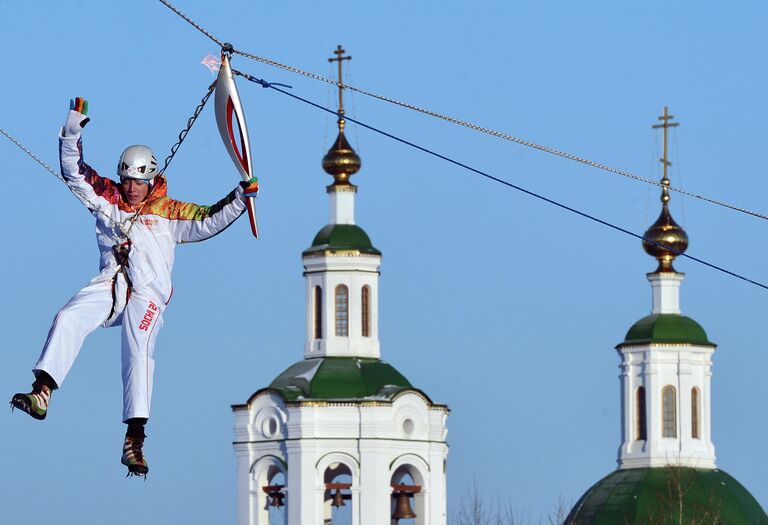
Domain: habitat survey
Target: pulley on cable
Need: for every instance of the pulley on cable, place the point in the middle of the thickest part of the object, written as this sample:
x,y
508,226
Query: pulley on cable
x,y
230,119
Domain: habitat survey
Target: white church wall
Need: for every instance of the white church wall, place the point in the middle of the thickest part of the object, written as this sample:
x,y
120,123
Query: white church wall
x,y
372,439
655,367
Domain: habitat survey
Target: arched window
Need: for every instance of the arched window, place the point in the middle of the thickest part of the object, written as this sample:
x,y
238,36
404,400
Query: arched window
x,y
338,500
407,482
342,311
642,427
695,413
276,498
366,304
669,412
318,312
269,497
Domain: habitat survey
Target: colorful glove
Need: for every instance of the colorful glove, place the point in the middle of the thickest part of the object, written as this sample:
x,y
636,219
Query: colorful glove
x,y
250,187
76,119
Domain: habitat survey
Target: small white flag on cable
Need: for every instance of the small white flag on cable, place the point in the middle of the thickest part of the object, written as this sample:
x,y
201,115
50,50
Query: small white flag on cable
x,y
212,62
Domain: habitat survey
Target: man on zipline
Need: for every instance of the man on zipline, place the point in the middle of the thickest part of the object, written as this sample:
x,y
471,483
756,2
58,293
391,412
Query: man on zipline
x,y
137,229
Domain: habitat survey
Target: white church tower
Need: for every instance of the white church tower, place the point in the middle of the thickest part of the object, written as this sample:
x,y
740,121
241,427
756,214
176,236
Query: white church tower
x,y
341,436
666,466
666,362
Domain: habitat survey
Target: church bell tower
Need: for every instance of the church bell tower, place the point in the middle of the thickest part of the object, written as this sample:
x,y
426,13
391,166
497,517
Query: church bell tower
x,y
666,465
341,434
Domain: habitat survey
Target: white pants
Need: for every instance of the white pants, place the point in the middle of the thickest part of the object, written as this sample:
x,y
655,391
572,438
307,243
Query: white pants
x,y
141,320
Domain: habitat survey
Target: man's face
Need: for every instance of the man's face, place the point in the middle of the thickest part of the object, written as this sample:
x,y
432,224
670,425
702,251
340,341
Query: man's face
x,y
134,190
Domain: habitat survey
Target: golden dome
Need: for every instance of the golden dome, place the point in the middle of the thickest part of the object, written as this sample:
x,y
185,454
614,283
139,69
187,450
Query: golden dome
x,y
665,239
341,161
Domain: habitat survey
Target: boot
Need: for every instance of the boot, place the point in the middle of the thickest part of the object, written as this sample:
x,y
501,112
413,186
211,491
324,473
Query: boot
x,y
133,456
36,402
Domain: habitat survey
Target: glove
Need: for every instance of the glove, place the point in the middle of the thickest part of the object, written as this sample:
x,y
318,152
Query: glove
x,y
250,187
76,119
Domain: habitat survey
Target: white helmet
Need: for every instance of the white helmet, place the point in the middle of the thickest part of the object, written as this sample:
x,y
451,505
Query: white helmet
x,y
137,162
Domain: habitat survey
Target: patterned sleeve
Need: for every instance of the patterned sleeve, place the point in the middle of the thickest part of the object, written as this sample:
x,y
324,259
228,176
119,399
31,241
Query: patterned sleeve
x,y
94,191
194,223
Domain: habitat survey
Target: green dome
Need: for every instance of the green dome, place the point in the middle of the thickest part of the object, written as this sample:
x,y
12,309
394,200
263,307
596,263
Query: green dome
x,y
666,328
648,496
342,237
340,378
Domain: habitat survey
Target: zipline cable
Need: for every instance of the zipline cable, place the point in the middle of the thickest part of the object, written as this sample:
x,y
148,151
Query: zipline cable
x,y
32,155
182,135
192,22
115,225
459,122
266,84
428,151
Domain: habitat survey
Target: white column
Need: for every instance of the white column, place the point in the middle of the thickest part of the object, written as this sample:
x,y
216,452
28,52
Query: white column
x,y
342,204
437,497
305,507
666,292
375,489
243,485
628,415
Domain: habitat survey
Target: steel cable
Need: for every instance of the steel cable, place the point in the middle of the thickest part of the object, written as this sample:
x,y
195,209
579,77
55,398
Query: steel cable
x,y
32,155
464,123
266,84
116,226
192,22
428,151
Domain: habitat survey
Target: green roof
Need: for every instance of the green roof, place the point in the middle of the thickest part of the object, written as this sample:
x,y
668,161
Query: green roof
x,y
666,328
649,496
340,378
342,237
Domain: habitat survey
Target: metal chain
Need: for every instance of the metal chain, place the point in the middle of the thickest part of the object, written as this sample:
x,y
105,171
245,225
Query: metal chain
x,y
266,84
190,122
34,157
459,122
498,134
192,22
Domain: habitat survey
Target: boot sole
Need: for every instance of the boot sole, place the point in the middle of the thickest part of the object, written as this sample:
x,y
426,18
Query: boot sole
x,y
138,470
22,403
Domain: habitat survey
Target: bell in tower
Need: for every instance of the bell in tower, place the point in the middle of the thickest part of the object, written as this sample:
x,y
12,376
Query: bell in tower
x,y
348,433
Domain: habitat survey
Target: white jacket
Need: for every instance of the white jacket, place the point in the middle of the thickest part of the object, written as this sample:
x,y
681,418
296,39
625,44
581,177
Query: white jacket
x,y
153,228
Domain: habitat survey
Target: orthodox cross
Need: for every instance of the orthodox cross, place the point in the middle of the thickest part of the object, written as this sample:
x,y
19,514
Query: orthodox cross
x,y
666,117
340,58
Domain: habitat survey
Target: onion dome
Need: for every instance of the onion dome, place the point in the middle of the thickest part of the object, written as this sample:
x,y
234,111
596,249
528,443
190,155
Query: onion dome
x,y
660,495
341,161
665,239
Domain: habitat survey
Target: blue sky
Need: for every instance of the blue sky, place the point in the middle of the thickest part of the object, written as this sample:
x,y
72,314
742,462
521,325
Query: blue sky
x,y
505,308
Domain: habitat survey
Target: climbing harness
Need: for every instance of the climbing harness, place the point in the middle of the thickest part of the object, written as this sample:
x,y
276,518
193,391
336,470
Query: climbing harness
x,y
121,283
